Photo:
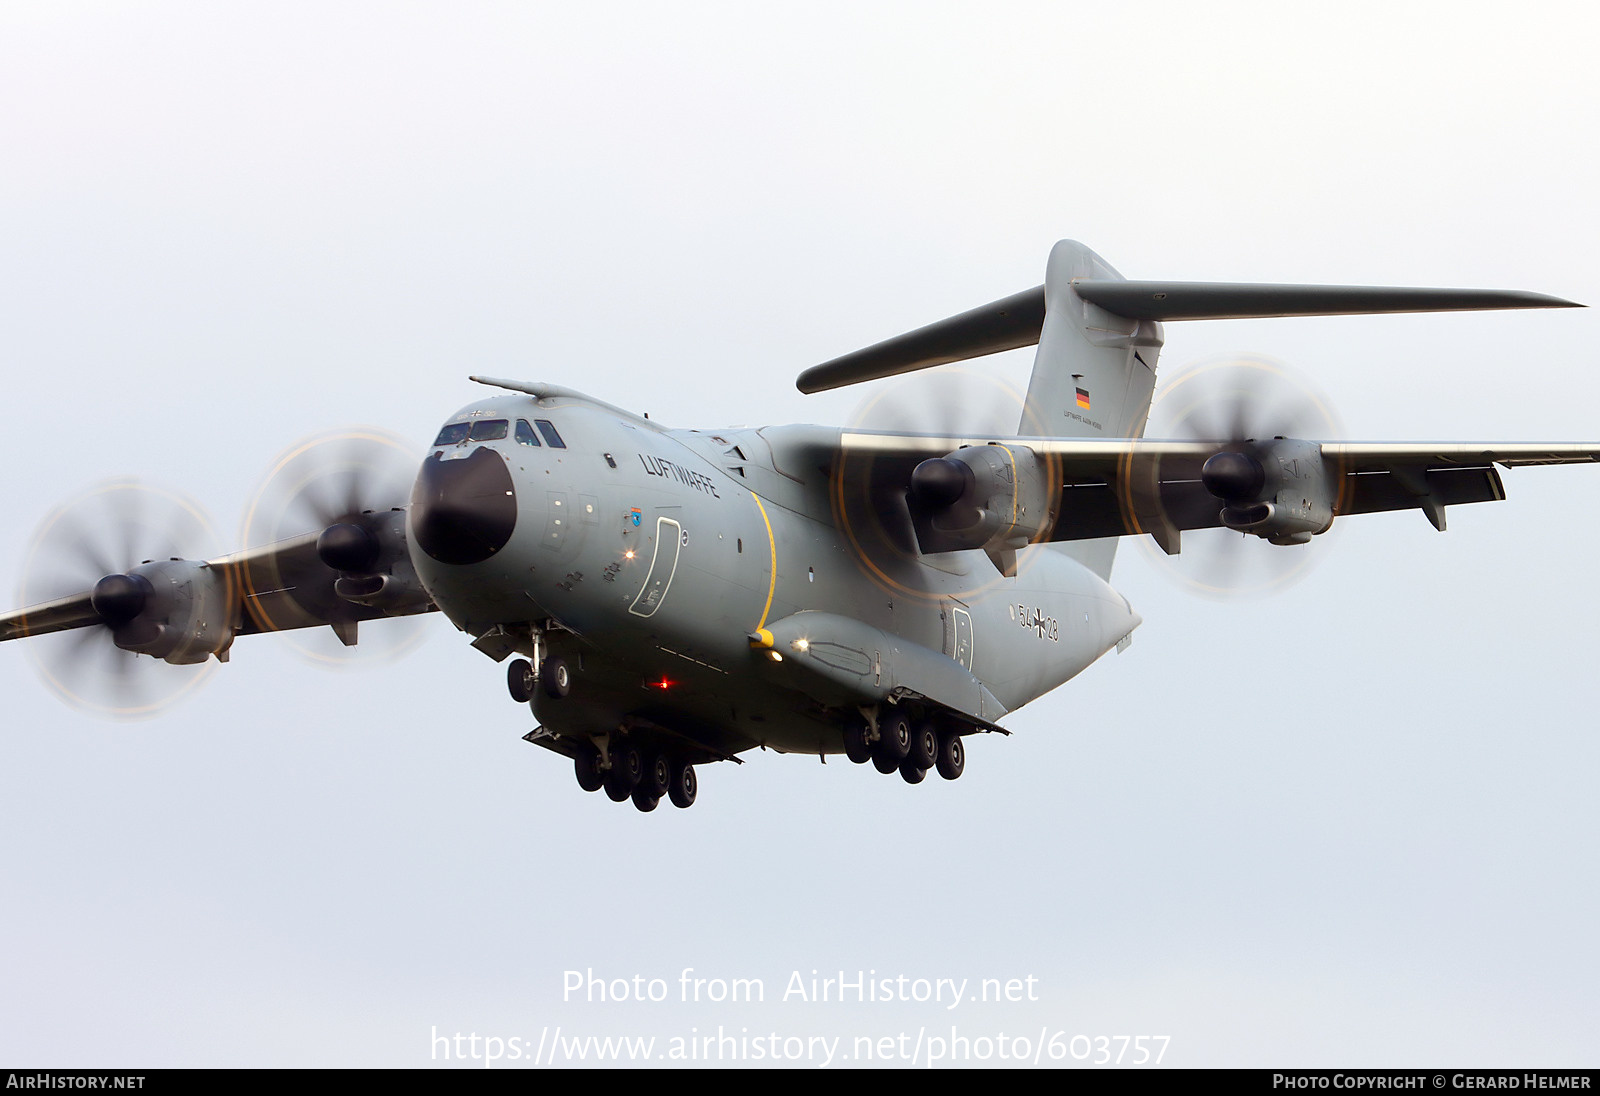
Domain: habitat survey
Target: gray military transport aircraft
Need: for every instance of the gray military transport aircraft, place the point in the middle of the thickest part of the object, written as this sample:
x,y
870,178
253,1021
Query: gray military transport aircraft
x,y
668,598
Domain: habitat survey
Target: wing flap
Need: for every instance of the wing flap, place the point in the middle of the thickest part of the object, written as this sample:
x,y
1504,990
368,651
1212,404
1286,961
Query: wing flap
x,y
1376,456
1375,492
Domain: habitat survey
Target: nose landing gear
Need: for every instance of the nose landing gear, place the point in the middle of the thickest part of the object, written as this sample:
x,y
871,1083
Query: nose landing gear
x,y
554,676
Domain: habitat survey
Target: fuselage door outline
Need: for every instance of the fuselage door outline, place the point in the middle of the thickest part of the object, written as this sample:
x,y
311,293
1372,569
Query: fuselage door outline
x,y
962,621
663,565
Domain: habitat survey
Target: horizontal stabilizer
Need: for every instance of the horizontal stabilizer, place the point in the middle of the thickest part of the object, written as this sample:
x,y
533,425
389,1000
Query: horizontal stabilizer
x,y
1017,320
1244,300
1000,325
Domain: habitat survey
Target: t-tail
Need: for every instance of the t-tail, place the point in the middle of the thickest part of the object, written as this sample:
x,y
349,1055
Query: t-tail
x,y
1099,335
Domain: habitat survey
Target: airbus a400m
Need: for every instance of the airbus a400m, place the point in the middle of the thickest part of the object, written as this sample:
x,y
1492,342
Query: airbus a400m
x,y
666,598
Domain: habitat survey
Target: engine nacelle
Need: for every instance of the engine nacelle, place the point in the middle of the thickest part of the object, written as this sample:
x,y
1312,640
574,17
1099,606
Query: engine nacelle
x,y
1281,490
993,497
180,610
374,563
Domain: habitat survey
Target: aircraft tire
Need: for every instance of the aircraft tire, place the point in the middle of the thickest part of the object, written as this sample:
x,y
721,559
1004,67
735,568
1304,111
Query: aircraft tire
x,y
912,773
519,680
924,753
856,746
626,768
556,678
894,739
656,778
643,801
885,765
685,784
587,765
952,756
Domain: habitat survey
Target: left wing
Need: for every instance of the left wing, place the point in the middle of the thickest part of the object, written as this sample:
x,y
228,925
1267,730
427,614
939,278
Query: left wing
x,y
999,494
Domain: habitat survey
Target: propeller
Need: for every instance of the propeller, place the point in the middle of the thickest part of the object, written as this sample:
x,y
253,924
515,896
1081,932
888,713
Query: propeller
x,y
92,542
1239,403
350,489
872,502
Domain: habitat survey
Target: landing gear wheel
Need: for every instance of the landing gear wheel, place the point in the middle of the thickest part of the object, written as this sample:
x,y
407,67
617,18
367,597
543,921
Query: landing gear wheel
x,y
924,746
519,680
645,802
856,746
556,678
911,773
894,742
656,780
624,774
684,784
952,755
587,764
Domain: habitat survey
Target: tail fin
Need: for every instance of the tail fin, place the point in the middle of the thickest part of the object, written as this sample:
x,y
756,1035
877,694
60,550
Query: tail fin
x,y
1094,372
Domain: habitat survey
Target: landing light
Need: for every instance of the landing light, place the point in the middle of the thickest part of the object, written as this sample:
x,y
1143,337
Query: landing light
x,y
628,554
775,656
802,645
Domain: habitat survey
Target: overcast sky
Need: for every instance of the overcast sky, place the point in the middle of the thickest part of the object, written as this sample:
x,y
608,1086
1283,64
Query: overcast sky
x,y
1351,824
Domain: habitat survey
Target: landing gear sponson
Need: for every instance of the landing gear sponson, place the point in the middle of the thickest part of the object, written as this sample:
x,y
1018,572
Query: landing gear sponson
x,y
899,740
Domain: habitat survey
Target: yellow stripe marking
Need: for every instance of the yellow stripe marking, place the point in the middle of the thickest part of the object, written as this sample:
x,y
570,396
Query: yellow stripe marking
x,y
772,550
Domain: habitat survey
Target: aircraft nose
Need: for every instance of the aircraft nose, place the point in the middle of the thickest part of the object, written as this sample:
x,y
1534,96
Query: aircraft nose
x,y
463,511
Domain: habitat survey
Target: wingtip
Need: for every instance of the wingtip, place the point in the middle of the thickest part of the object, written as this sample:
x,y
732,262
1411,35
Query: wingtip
x,y
1545,300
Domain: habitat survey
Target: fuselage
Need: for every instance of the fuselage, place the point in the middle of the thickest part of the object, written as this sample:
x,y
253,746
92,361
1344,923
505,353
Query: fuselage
x,y
657,561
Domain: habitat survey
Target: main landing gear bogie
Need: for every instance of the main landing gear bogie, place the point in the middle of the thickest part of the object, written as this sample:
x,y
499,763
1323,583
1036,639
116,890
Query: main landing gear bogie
x,y
621,769
645,778
907,745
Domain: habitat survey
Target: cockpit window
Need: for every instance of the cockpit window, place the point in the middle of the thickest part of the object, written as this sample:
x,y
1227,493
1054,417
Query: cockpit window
x,y
489,430
548,429
454,434
525,434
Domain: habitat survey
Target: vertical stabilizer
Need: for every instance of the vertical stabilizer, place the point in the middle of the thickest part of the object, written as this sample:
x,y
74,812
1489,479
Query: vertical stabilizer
x,y
1093,374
